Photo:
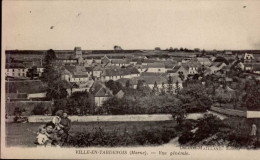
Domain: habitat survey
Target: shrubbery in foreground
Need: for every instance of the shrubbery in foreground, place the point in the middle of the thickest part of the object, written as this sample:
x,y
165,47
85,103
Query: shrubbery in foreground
x,y
210,130
118,138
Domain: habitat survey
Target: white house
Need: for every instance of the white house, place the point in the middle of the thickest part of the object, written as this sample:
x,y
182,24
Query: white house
x,y
99,93
248,58
216,66
115,74
156,67
120,62
77,74
15,70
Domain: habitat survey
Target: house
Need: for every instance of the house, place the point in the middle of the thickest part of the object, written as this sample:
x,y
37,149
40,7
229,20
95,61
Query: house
x,y
256,68
170,64
67,61
37,64
141,68
99,93
225,69
120,94
156,67
150,81
120,62
204,61
248,67
192,67
15,70
97,71
145,62
77,74
152,74
80,86
248,58
105,61
179,69
216,66
228,52
115,74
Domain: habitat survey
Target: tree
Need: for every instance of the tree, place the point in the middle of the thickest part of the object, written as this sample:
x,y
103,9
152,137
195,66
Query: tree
x,y
117,48
157,48
57,89
177,88
32,72
140,85
181,75
251,99
169,86
163,89
115,87
49,57
80,101
155,90
127,84
181,49
201,70
195,97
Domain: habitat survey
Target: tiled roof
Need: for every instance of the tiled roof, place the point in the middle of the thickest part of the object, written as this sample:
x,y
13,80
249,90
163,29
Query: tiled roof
x,y
120,61
217,64
14,65
150,74
120,71
170,64
176,68
156,65
203,59
100,90
149,80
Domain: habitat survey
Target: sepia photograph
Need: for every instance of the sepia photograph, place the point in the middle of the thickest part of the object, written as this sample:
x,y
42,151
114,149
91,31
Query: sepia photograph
x,y
130,79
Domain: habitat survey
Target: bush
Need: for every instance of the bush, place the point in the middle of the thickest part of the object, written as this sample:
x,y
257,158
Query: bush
x,y
39,110
185,137
207,126
117,138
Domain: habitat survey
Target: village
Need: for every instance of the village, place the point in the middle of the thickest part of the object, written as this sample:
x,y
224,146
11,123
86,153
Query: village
x,y
133,82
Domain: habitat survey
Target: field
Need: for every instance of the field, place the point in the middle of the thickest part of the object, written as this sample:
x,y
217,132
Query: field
x,y
23,134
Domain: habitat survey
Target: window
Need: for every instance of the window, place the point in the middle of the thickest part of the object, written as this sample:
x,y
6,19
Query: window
x,y
159,69
13,70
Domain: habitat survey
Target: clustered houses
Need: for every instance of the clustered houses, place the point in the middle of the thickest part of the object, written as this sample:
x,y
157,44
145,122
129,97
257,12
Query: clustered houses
x,y
87,71
20,69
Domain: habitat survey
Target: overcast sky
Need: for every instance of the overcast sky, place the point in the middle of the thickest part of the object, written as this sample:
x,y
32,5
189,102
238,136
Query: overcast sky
x,y
131,24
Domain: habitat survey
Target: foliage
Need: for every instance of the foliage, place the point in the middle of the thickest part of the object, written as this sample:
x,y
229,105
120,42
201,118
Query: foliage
x,y
115,87
195,98
251,99
79,103
127,84
100,137
57,89
39,110
187,136
49,57
142,105
205,127
155,90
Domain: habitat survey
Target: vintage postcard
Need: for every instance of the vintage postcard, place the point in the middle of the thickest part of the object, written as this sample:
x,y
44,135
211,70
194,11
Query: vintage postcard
x,y
130,79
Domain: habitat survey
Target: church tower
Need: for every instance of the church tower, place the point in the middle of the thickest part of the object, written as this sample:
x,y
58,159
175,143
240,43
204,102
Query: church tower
x,y
78,52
